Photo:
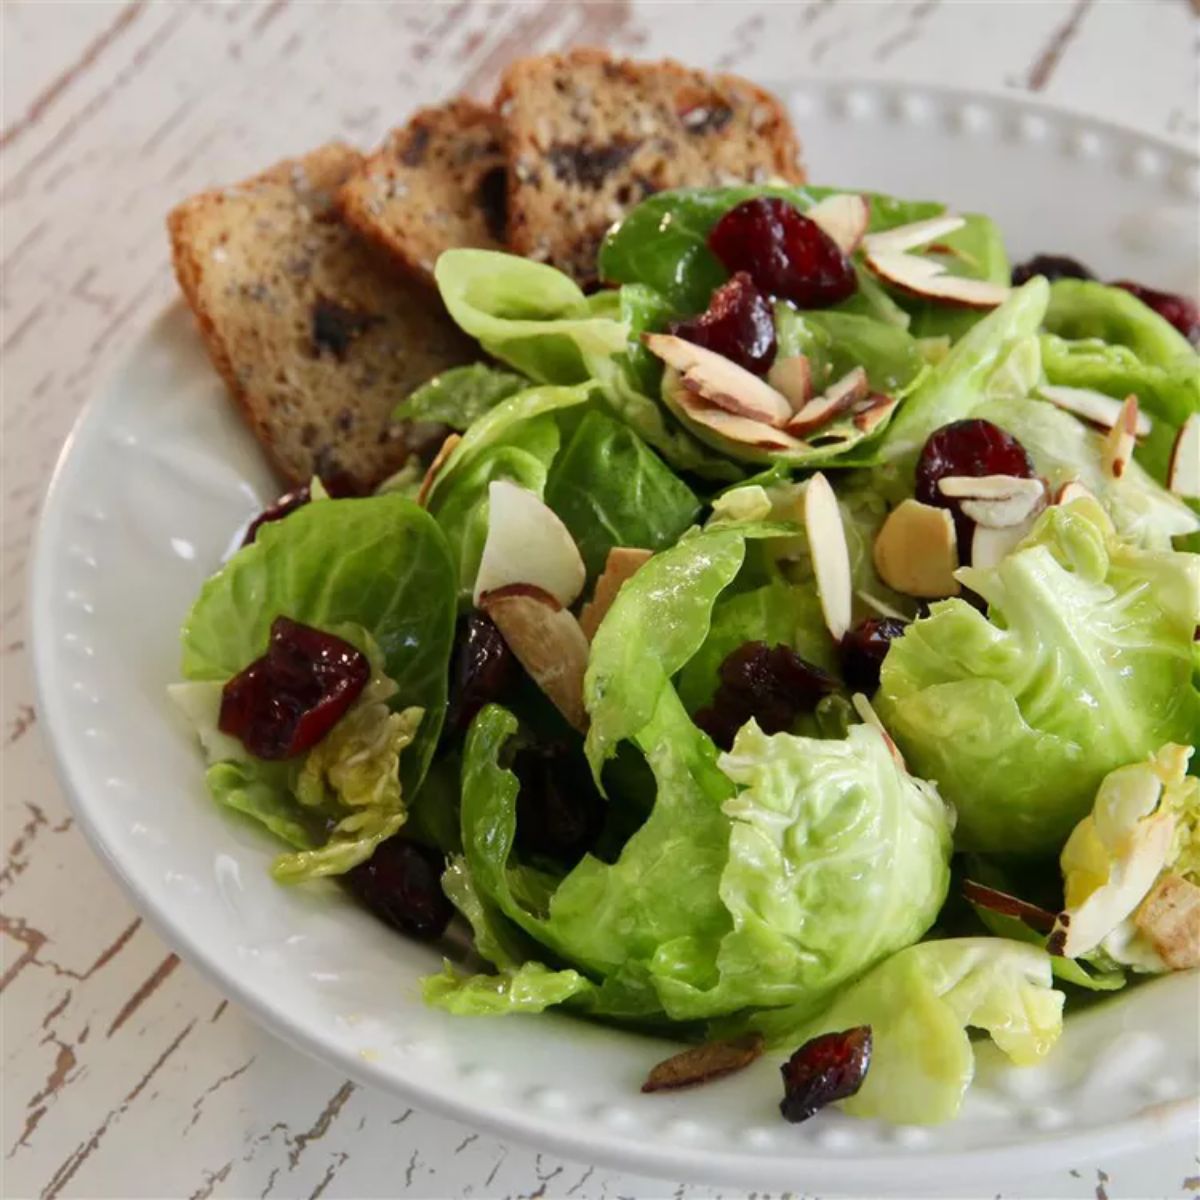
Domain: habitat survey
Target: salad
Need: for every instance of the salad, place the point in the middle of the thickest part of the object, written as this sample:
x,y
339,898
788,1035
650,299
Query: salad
x,y
791,648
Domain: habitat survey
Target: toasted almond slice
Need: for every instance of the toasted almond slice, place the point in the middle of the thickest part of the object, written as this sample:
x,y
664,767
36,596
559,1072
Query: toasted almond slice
x,y
1170,918
909,237
992,543
1012,512
869,716
927,278
622,564
1183,476
870,413
837,398
1092,406
729,425
548,643
699,1064
1121,439
439,461
792,378
844,218
830,554
1073,490
527,543
916,551
989,487
1081,930
719,380
994,900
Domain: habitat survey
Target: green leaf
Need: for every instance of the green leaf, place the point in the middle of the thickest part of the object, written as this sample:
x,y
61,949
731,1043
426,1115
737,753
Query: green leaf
x,y
919,1004
460,396
1084,662
1081,308
526,314
955,387
379,563
611,490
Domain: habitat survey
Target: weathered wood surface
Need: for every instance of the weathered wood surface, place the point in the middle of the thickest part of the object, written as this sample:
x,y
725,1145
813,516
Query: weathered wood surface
x,y
124,1074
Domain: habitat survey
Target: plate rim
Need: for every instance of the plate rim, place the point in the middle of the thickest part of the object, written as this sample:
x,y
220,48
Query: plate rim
x,y
1150,1125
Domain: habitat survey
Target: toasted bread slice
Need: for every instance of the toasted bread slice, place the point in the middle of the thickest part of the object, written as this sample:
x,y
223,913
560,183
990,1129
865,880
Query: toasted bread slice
x,y
436,183
316,338
589,136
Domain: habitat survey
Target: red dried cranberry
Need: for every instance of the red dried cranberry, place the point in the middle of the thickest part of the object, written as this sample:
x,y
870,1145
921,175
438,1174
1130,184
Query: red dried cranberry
x,y
973,447
739,324
771,684
827,1068
559,811
864,648
1178,310
402,883
285,702
785,253
339,485
482,671
1052,266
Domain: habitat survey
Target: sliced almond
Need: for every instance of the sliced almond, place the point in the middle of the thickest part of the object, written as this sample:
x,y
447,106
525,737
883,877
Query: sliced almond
x,y
870,413
792,378
991,544
997,501
622,564
719,380
869,716
916,233
1092,406
844,218
837,399
1183,475
916,551
527,543
1170,919
548,643
1121,439
982,896
729,425
1073,490
699,1064
830,554
439,461
927,278
881,606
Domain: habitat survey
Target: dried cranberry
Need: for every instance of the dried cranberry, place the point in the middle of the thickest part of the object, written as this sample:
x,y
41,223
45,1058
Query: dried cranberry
x,y
482,671
739,324
288,700
973,447
1052,266
827,1068
771,684
290,501
864,648
402,883
1178,310
785,253
559,811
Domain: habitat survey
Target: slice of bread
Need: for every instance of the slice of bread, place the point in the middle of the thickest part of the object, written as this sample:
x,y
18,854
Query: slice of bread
x,y
589,136
436,183
317,339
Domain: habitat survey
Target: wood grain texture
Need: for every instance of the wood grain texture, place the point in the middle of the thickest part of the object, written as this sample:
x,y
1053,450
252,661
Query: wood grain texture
x,y
125,1074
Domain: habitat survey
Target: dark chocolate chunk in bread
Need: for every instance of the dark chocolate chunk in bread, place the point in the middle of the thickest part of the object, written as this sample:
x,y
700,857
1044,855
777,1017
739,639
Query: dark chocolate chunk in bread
x,y
436,183
589,136
317,338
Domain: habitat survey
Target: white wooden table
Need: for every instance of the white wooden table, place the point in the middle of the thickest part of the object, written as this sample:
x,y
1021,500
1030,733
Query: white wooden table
x,y
124,1074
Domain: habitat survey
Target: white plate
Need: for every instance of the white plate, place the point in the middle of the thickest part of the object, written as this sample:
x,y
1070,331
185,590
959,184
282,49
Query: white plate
x,y
152,486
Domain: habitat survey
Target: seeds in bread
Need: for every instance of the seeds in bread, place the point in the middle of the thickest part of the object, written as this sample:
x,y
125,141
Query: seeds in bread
x,y
316,338
435,184
589,136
